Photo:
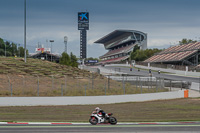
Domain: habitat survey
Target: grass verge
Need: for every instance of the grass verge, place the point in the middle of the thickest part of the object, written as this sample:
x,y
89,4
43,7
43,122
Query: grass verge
x,y
163,110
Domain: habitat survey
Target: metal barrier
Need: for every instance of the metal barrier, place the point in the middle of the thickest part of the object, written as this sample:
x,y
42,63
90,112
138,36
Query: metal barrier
x,y
87,85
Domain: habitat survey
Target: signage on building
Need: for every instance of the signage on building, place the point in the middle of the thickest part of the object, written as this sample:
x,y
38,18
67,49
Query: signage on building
x,y
83,17
83,20
83,26
42,50
92,61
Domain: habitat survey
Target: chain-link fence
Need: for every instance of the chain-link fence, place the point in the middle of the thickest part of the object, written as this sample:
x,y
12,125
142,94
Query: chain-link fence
x,y
88,85
136,84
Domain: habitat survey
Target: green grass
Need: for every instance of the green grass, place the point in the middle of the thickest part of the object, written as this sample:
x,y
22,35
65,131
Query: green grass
x,y
163,110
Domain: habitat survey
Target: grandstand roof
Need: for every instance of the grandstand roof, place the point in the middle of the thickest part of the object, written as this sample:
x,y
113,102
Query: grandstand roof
x,y
170,57
176,53
117,33
179,48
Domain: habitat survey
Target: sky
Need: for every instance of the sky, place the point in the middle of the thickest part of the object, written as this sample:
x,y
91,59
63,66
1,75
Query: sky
x,y
165,21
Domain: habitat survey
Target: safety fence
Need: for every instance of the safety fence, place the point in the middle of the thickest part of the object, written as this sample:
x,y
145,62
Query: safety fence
x,y
20,85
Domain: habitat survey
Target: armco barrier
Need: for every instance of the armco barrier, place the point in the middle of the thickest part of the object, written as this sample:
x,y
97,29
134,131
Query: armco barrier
x,y
85,100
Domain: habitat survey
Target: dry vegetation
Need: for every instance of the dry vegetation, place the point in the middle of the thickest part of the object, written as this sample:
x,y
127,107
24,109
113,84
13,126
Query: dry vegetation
x,y
164,110
24,80
53,79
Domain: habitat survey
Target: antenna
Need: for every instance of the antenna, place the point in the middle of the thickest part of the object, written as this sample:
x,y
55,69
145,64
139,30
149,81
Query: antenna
x,y
47,43
65,42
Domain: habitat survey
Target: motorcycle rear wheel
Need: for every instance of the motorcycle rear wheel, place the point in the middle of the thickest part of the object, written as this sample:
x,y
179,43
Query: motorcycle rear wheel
x,y
113,120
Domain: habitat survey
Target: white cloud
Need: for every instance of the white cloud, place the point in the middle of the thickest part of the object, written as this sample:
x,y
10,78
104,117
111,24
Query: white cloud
x,y
91,42
161,42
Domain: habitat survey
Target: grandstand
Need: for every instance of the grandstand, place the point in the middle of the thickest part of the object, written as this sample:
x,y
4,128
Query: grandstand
x,y
187,54
120,43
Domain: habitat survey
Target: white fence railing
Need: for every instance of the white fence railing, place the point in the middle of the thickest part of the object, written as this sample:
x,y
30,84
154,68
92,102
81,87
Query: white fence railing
x,y
132,78
195,86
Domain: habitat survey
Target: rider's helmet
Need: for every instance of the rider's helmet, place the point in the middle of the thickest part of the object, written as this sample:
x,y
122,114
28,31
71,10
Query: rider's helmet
x,y
97,109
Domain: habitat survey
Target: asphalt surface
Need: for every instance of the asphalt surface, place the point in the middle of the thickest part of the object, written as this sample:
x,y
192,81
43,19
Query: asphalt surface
x,y
154,74
168,128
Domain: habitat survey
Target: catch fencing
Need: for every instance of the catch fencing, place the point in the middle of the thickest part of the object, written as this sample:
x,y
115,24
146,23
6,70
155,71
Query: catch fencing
x,y
89,85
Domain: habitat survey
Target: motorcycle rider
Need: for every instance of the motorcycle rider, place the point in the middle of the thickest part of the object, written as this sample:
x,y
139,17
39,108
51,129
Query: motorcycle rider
x,y
100,112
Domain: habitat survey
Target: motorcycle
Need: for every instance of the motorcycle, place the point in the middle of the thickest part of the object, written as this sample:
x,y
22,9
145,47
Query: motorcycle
x,y
98,118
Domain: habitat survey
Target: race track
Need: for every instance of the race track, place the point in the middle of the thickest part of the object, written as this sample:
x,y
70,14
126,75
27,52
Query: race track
x,y
155,74
120,128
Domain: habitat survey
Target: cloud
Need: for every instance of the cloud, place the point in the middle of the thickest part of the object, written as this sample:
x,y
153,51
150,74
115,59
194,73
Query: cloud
x,y
163,22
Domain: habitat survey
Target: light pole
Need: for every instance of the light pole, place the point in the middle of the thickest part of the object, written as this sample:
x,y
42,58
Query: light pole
x,y
25,31
65,42
47,48
5,49
51,48
19,49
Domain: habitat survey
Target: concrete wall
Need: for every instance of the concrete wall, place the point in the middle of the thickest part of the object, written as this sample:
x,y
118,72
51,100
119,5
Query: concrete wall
x,y
84,100
195,86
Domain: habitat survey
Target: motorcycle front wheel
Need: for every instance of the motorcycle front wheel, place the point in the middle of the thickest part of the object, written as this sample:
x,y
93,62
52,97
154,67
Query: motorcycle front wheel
x,y
93,121
113,120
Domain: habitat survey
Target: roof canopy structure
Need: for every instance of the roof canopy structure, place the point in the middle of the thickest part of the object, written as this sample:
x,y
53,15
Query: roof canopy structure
x,y
46,56
118,35
184,54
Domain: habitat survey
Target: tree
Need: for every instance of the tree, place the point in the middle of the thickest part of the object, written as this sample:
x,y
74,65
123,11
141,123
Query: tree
x,y
2,47
141,55
186,41
8,46
65,59
11,49
136,47
2,52
2,44
151,52
8,53
21,52
73,60
133,53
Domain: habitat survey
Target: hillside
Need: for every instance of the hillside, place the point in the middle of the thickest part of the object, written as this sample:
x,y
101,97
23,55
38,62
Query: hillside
x,y
44,78
38,67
